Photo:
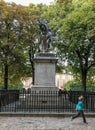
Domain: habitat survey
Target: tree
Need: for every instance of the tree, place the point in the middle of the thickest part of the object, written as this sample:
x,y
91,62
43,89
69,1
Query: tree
x,y
11,56
18,40
78,36
74,21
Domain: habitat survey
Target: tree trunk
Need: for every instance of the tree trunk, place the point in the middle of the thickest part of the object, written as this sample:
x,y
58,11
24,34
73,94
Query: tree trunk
x,y
83,69
5,76
31,57
84,77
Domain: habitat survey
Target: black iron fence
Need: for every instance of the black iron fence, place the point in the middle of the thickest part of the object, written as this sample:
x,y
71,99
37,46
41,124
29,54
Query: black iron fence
x,y
44,101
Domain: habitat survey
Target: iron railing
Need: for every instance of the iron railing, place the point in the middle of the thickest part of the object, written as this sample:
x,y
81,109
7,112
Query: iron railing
x,y
44,101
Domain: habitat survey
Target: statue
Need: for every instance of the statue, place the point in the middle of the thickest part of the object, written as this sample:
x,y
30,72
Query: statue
x,y
45,36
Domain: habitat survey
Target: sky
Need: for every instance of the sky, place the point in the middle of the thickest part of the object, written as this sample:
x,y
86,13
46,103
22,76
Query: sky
x,y
26,2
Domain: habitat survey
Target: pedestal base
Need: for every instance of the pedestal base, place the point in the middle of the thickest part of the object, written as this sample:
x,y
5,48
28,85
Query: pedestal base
x,y
44,76
39,89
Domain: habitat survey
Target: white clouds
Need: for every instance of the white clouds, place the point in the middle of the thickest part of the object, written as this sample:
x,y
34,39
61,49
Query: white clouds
x,y
27,2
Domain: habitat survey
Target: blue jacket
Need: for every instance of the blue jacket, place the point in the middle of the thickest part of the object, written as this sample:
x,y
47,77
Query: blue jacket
x,y
80,106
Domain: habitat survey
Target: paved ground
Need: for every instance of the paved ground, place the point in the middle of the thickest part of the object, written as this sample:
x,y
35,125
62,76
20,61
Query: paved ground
x,y
45,123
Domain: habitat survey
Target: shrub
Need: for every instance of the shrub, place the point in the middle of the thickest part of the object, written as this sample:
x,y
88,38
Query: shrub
x,y
77,86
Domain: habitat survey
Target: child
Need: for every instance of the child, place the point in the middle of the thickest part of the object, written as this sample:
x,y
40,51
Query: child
x,y
79,108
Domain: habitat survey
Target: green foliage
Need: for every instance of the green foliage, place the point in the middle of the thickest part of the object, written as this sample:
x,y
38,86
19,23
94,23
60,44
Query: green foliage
x,y
12,86
72,22
17,34
16,86
73,85
59,69
76,41
77,86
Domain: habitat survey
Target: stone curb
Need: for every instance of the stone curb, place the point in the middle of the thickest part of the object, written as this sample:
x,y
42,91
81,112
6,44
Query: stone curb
x,y
26,114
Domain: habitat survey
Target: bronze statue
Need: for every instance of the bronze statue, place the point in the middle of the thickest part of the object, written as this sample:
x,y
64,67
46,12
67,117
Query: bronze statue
x,y
45,36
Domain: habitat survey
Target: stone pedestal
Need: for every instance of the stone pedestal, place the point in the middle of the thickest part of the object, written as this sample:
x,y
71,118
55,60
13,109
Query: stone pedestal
x,y
44,73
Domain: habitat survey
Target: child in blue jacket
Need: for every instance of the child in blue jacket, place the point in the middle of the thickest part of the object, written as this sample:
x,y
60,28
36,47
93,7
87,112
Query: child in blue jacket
x,y
79,108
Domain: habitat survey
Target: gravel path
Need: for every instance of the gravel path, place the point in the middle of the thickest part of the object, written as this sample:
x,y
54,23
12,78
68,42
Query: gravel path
x,y
45,123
